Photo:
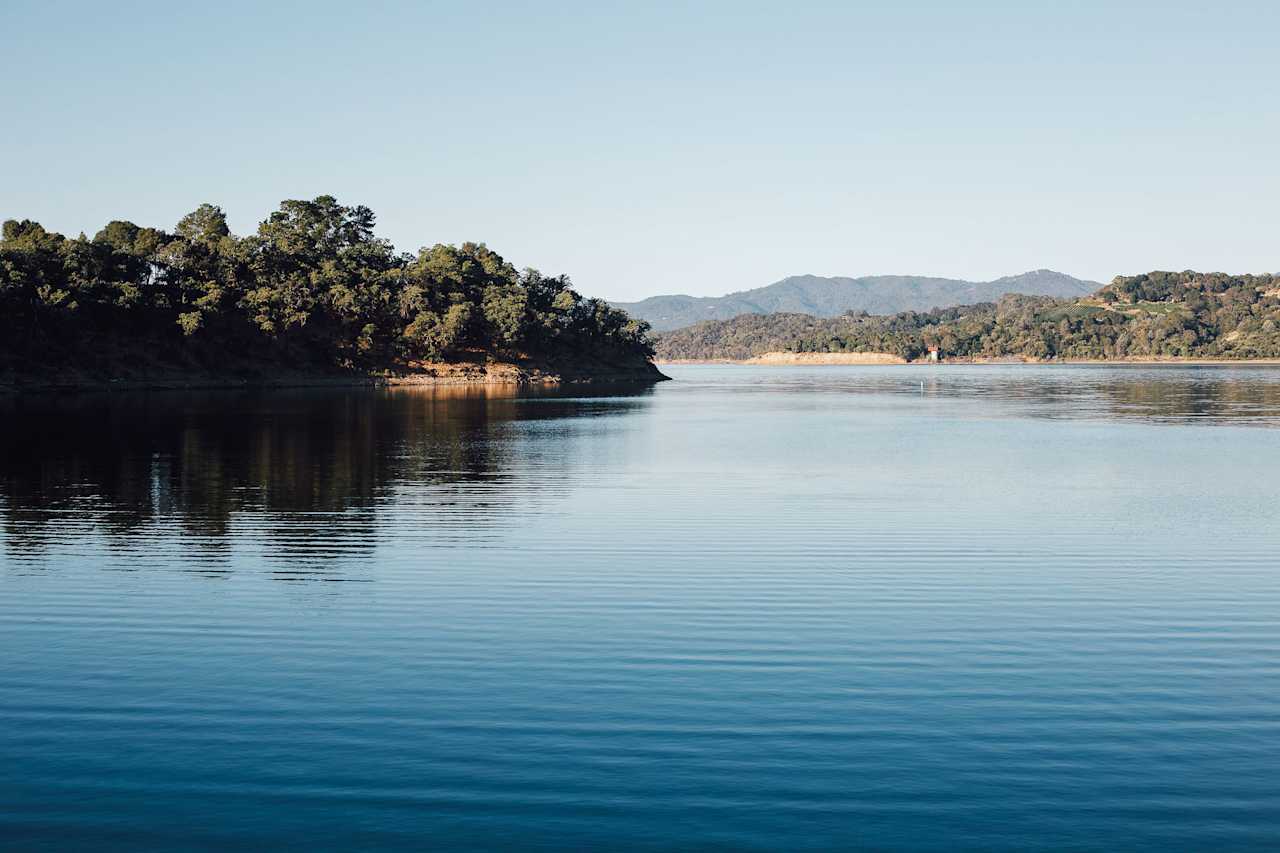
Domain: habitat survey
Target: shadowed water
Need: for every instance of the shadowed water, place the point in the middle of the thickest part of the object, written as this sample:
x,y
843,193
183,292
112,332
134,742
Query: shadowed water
x,y
923,608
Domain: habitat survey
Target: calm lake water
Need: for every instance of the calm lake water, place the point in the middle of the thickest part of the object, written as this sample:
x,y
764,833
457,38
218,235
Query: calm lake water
x,y
920,608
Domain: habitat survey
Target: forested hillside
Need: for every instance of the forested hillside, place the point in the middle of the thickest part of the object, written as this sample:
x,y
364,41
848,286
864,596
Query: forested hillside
x,y
830,296
1159,314
314,289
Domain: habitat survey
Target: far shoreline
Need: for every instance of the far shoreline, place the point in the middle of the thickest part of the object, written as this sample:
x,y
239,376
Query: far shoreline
x,y
889,360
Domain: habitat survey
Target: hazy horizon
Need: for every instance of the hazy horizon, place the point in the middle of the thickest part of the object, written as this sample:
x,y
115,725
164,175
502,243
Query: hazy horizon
x,y
664,149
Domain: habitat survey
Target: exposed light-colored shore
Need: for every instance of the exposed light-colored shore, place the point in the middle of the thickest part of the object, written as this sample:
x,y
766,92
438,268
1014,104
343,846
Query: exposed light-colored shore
x,y
423,374
827,358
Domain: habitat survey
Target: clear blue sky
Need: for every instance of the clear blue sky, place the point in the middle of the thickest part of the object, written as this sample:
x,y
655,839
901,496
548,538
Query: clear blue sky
x,y
656,148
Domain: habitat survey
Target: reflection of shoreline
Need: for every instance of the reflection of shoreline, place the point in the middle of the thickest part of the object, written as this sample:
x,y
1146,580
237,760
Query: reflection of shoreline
x,y
293,465
1234,393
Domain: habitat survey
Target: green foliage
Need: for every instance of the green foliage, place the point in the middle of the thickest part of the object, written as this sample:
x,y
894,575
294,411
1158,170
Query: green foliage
x,y
1157,315
314,287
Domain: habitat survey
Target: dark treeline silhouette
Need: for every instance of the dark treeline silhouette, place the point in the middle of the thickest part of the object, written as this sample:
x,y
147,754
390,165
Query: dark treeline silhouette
x,y
1160,314
314,289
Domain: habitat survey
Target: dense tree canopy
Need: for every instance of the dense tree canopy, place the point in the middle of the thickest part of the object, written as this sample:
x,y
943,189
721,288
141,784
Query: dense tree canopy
x,y
313,288
1160,314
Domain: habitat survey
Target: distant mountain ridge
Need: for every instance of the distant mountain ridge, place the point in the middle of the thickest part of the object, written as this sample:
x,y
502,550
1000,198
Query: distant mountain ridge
x,y
831,296
1158,316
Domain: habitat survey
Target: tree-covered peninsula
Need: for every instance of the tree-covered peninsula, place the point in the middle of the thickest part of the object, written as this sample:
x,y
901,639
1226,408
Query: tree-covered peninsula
x,y
314,293
1159,315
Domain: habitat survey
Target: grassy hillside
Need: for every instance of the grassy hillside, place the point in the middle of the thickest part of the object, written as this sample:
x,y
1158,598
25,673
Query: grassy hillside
x,y
1159,314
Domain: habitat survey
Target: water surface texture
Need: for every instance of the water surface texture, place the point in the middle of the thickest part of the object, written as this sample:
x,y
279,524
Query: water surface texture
x,y
898,608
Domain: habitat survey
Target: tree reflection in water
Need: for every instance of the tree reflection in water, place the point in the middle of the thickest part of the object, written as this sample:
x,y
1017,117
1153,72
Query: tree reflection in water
x,y
305,473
